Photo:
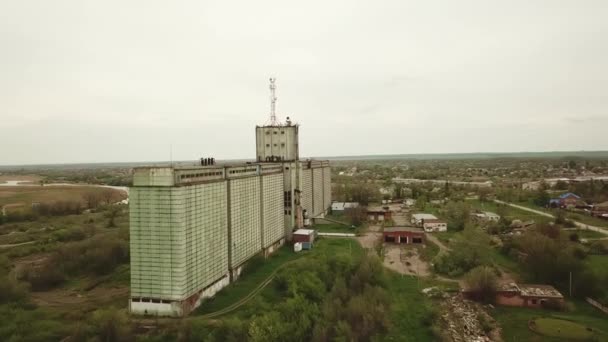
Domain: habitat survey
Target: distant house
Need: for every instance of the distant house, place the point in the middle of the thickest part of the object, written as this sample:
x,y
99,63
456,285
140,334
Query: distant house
x,y
485,216
405,235
532,186
565,200
429,222
417,219
519,224
528,295
601,207
378,214
434,225
342,206
409,202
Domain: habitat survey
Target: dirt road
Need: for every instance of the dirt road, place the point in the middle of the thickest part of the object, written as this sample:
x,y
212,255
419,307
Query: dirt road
x,y
542,213
371,237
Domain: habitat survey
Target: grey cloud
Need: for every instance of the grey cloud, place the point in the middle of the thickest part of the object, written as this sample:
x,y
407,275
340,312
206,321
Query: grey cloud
x,y
137,76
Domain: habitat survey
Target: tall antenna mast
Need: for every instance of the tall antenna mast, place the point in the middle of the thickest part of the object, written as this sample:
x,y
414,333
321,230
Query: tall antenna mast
x,y
273,102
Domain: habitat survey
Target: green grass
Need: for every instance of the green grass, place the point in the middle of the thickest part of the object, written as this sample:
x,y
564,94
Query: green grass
x,y
428,251
560,328
586,234
511,212
580,217
447,237
514,321
598,264
590,220
259,270
476,238
412,313
334,228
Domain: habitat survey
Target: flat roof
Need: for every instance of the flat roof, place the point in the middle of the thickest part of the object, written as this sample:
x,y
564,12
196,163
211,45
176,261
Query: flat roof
x,y
403,229
434,221
424,216
303,232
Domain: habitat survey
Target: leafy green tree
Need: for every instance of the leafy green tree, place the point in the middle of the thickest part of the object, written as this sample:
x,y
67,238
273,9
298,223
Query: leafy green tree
x,y
541,197
458,215
482,283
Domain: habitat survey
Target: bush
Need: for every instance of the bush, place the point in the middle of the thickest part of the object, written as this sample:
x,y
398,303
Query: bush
x,y
482,284
11,291
553,304
70,234
459,261
42,277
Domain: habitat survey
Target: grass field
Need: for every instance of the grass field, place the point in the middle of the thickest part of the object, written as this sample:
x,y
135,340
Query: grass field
x,y
560,328
21,178
579,217
27,195
514,321
598,264
590,220
334,228
511,213
586,234
411,311
260,269
255,273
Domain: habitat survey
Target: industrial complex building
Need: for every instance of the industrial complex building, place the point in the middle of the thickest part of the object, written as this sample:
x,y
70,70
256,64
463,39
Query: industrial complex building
x,y
193,228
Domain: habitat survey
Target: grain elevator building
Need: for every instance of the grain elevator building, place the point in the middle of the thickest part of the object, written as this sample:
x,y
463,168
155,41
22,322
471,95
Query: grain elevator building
x,y
192,228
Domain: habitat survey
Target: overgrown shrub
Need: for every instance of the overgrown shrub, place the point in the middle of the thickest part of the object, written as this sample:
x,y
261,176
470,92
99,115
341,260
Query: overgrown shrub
x,y
482,284
11,291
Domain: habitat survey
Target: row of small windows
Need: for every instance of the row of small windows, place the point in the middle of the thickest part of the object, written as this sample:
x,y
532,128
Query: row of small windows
x,y
240,171
203,174
275,145
275,132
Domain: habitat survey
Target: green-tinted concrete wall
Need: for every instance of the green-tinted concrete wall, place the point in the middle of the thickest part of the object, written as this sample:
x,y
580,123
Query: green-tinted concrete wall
x,y
317,191
206,221
273,225
158,238
245,219
178,239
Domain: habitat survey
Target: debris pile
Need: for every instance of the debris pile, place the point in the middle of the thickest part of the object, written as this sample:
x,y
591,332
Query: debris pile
x,y
461,318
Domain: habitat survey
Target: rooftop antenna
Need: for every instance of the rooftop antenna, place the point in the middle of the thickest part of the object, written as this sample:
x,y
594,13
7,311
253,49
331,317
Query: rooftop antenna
x,y
273,102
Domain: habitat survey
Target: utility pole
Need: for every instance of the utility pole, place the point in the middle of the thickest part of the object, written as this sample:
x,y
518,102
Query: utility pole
x,y
273,102
570,283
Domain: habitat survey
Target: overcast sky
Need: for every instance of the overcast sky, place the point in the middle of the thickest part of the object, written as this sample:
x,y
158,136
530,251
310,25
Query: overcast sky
x,y
103,81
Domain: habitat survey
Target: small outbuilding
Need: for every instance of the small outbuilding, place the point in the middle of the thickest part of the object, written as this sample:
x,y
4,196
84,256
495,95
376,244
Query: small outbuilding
x,y
434,225
485,216
418,219
405,235
528,295
378,214
343,206
304,236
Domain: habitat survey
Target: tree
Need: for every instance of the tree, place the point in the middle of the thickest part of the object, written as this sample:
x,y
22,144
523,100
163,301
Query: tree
x,y
482,283
541,197
108,196
458,214
356,216
92,198
112,325
111,214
